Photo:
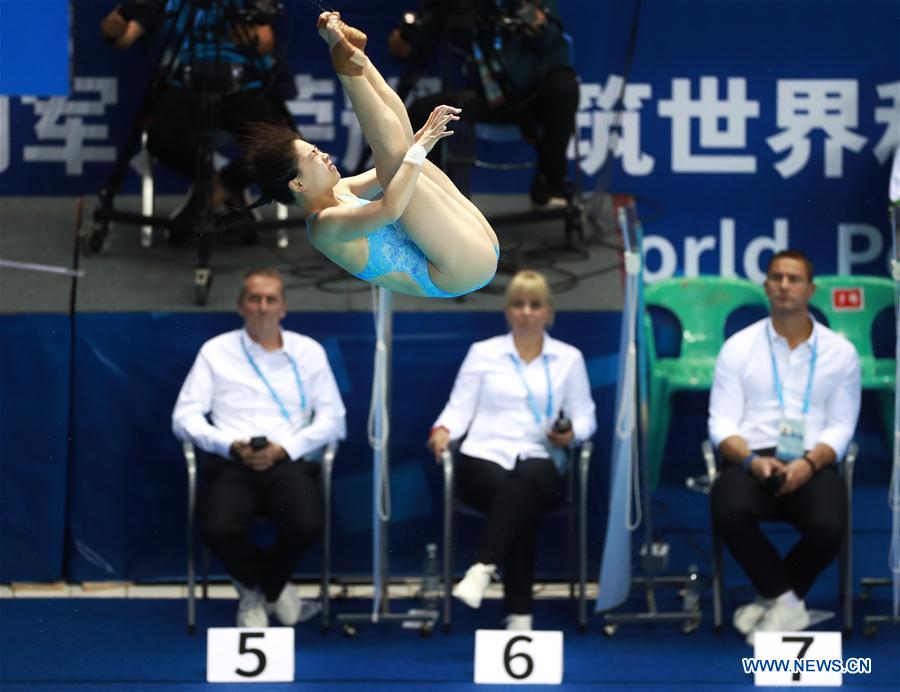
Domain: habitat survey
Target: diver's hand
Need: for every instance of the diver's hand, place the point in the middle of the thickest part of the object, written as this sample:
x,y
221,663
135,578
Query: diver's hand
x,y
435,128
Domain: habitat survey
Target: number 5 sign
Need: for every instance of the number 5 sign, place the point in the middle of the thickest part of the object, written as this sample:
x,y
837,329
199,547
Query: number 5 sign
x,y
509,657
236,654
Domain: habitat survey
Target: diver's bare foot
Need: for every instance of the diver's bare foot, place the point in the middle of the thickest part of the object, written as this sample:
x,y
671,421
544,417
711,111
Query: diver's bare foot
x,y
346,58
328,26
356,37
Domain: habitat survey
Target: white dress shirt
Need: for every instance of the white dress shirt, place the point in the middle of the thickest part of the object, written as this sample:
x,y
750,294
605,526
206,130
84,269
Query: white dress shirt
x,y
490,401
744,402
224,385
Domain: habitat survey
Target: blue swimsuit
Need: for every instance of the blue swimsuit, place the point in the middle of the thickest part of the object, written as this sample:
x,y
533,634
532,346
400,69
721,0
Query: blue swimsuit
x,y
392,250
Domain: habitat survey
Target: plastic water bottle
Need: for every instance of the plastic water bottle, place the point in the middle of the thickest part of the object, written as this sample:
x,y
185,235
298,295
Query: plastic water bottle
x,y
691,595
431,578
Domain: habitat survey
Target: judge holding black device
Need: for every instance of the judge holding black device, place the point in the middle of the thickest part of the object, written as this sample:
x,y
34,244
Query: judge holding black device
x,y
259,401
508,402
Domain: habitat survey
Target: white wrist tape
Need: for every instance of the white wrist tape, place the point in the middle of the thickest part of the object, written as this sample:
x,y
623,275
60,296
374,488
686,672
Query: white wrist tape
x,y
415,155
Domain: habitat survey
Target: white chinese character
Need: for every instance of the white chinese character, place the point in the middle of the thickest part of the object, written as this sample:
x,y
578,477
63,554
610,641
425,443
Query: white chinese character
x,y
809,104
4,133
63,118
609,128
890,116
315,100
723,125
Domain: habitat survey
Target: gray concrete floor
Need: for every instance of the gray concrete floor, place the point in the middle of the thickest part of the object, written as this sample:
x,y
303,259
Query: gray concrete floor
x,y
127,277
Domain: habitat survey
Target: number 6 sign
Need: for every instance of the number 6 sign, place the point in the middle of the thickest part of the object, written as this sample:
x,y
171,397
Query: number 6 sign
x,y
236,654
510,657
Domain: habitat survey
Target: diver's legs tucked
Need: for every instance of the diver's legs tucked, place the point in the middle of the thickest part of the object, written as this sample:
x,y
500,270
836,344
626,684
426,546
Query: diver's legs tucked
x,y
444,182
455,243
392,101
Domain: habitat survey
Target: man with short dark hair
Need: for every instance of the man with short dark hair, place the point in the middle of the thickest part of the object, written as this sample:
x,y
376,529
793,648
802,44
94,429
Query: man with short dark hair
x,y
259,400
782,412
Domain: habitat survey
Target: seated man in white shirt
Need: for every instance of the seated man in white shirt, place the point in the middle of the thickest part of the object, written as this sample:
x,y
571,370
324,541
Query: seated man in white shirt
x,y
258,400
508,399
782,412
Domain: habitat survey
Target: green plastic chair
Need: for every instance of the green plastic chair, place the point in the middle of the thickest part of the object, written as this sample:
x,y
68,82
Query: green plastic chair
x,y
702,305
855,324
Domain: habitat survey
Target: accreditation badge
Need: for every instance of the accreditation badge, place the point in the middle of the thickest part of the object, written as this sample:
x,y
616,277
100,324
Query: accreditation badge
x,y
790,438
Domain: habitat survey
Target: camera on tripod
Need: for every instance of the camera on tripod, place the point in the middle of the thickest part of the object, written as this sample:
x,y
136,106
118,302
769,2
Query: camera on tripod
x,y
213,59
477,14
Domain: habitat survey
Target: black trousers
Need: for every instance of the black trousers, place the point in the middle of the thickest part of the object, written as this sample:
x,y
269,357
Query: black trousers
x,y
739,503
177,116
514,502
232,496
547,120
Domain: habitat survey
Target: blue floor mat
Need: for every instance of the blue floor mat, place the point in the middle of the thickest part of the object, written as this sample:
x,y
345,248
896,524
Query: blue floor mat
x,y
134,644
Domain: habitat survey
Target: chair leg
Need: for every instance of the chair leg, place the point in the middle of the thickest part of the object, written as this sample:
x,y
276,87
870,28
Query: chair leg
x,y
582,551
717,565
659,429
573,564
191,573
886,399
324,593
191,579
205,573
846,574
448,546
665,417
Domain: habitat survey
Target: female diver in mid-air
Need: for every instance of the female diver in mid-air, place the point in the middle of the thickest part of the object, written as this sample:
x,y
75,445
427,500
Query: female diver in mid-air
x,y
421,236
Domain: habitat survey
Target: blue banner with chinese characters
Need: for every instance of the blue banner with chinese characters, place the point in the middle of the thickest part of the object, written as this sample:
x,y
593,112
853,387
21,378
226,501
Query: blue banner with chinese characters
x,y
742,127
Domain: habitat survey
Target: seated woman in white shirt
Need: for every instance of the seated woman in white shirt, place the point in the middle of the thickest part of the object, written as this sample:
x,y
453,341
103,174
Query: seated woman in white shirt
x,y
508,395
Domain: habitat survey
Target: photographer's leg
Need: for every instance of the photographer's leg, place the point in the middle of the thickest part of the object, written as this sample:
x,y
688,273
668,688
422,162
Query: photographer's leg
x,y
170,129
554,111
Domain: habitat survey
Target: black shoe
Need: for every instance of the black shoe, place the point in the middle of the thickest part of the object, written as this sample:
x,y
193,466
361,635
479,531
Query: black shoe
x,y
550,195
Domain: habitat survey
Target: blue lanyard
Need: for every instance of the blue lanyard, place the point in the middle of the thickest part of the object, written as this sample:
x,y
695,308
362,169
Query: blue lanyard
x,y
284,411
807,392
532,402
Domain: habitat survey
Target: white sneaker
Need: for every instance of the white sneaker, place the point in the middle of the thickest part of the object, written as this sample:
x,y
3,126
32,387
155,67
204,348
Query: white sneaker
x,y
748,616
251,607
782,618
519,622
472,587
290,609
286,607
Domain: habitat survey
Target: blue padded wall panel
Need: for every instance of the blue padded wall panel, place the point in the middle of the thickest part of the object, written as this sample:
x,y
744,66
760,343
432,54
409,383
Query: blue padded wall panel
x,y
34,421
122,492
128,489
